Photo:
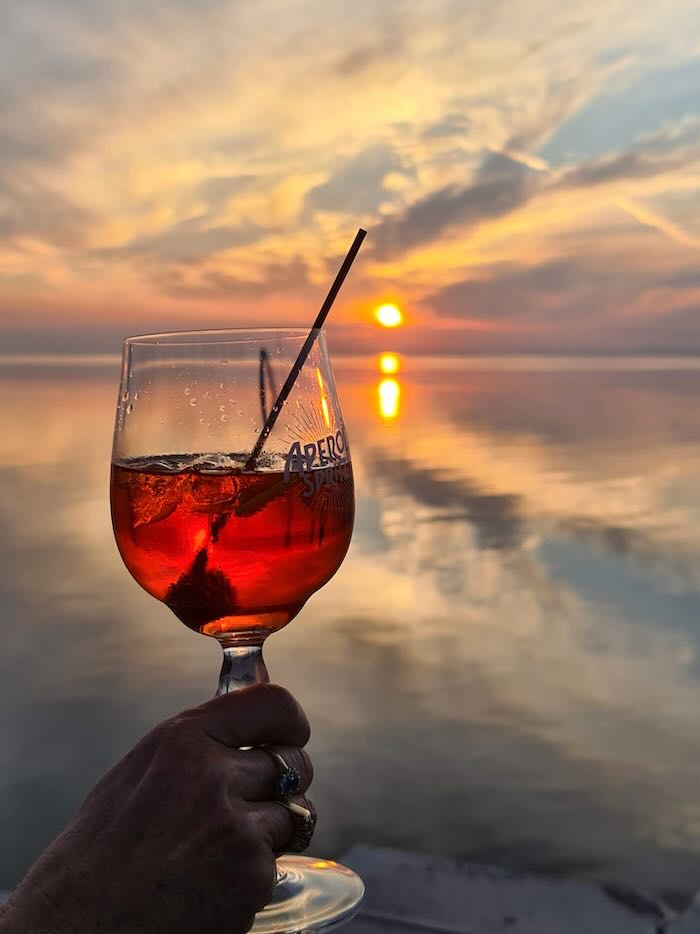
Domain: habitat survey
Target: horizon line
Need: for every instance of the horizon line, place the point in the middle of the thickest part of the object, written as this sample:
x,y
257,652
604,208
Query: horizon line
x,y
537,360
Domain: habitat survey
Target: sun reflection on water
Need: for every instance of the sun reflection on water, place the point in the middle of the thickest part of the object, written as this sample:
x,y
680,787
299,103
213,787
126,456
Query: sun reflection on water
x,y
389,395
389,363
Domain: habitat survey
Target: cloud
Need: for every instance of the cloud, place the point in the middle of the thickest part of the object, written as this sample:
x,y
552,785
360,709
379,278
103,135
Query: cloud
x,y
625,166
214,284
28,210
501,185
587,303
507,180
187,241
452,124
140,139
495,516
217,189
505,290
357,184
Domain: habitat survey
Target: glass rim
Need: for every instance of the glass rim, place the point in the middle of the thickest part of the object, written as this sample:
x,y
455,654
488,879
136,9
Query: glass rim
x,y
199,337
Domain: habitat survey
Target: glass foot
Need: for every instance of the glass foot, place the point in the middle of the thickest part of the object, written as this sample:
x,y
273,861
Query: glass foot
x,y
310,895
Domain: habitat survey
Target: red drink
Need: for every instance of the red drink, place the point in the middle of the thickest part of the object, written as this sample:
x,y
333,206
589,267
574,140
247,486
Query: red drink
x,y
231,552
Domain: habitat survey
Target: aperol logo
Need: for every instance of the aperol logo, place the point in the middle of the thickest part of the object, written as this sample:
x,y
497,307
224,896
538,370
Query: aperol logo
x,y
324,462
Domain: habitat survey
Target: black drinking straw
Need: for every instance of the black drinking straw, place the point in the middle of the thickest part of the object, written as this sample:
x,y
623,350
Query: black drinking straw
x,y
305,350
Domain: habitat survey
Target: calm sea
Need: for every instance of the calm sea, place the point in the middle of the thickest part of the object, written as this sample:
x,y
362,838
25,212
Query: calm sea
x,y
506,668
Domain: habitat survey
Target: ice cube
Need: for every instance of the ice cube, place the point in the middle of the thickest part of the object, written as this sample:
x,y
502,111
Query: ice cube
x,y
212,492
156,496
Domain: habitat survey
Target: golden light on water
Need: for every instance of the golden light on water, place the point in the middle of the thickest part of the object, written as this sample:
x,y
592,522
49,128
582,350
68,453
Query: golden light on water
x,y
389,316
389,363
389,393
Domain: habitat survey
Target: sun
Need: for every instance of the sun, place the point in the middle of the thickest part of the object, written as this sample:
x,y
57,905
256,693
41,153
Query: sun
x,y
389,316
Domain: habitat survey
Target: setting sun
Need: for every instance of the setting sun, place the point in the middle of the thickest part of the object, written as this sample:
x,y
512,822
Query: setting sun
x,y
389,316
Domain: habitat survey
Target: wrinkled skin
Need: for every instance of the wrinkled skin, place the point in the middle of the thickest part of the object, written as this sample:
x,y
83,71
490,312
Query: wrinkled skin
x,y
181,835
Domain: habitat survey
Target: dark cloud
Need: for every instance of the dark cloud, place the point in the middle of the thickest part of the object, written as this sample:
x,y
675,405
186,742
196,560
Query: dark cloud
x,y
377,39
588,291
188,241
501,185
215,191
682,279
357,185
505,290
665,151
291,277
357,60
29,210
495,516
622,166
453,124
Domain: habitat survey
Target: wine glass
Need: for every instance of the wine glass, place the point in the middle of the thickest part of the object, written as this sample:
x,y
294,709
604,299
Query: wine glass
x,y
232,523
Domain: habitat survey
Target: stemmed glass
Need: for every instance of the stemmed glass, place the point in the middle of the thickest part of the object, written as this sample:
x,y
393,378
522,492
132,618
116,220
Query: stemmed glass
x,y
233,534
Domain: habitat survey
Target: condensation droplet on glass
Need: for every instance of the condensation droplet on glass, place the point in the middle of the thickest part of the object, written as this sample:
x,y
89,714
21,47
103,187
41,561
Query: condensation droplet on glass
x,y
240,411
201,421
188,391
125,397
221,385
129,409
224,418
232,402
193,402
136,396
222,408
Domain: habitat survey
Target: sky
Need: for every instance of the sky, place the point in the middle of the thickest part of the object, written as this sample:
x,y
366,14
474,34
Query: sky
x,y
528,172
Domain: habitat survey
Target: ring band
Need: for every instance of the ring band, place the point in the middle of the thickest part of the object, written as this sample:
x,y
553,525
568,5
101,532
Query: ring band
x,y
289,778
303,825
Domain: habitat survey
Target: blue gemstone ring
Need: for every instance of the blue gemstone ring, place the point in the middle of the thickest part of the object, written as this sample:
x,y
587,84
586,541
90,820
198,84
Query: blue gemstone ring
x,y
289,778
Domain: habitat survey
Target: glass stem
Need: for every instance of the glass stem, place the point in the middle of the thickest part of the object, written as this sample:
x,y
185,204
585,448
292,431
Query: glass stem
x,y
243,665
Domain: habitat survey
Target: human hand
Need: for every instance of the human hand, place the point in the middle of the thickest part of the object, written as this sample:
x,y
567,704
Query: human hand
x,y
181,834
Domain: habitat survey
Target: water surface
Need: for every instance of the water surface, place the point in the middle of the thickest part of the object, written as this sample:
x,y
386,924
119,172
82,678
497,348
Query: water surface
x,y
506,667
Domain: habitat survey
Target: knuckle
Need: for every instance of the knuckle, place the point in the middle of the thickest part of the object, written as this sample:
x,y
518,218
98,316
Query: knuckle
x,y
290,714
173,728
305,766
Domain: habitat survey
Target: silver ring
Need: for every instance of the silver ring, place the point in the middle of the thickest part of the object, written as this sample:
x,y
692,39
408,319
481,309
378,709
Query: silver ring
x,y
303,825
289,779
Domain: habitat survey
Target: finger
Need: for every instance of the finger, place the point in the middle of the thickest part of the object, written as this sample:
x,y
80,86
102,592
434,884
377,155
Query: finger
x,y
254,716
277,825
258,772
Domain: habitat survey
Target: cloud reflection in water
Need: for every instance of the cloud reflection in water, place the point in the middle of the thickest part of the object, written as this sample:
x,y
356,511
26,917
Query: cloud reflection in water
x,y
516,620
